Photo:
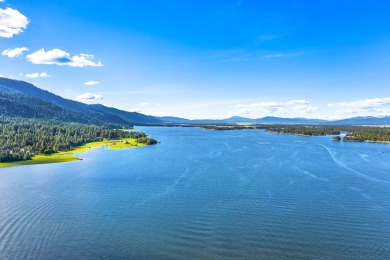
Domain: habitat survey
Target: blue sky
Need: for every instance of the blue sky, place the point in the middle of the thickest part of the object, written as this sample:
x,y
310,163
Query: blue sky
x,y
205,59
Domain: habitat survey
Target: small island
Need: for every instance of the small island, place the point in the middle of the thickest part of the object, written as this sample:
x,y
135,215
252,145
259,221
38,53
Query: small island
x,y
336,138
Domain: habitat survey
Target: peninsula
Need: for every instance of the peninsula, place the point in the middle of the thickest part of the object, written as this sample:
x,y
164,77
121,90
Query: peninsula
x,y
25,142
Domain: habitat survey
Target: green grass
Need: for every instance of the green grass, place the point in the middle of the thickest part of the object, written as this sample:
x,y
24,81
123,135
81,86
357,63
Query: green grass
x,y
43,159
112,144
68,156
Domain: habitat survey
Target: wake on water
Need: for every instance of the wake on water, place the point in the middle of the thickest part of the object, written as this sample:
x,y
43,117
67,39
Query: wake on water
x,y
356,173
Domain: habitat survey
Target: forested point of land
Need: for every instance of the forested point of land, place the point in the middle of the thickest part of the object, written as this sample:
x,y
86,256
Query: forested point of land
x,y
306,130
370,134
22,138
354,133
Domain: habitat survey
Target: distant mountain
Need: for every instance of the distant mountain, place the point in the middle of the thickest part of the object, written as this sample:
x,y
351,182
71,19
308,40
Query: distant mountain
x,y
179,120
274,120
364,121
174,120
281,120
239,119
242,120
134,117
22,99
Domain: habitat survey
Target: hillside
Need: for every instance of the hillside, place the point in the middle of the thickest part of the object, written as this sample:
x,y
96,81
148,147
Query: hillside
x,y
134,117
23,99
21,87
14,104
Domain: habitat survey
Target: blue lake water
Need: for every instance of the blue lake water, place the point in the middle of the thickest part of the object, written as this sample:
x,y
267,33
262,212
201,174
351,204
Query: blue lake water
x,y
243,194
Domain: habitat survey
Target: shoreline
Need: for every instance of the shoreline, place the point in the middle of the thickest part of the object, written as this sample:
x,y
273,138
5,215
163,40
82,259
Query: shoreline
x,y
69,156
368,141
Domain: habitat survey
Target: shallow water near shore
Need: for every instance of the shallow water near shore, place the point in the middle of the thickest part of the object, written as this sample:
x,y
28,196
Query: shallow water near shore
x,y
242,194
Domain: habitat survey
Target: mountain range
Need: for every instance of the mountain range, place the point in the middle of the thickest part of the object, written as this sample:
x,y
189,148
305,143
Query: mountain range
x,y
22,99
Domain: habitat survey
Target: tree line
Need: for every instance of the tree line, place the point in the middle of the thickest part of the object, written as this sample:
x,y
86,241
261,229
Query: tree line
x,y
372,134
22,138
354,133
306,130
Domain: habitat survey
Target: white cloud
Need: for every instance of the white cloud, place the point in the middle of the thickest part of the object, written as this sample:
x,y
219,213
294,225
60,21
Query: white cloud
x,y
366,103
12,53
291,107
143,104
68,90
373,107
272,56
303,109
37,75
89,98
1,75
261,108
297,102
12,22
282,55
62,58
91,83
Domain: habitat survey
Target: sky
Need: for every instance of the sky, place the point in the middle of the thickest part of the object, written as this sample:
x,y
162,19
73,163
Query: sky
x,y
205,59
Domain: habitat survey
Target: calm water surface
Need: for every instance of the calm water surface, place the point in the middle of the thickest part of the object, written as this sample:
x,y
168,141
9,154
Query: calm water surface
x,y
203,194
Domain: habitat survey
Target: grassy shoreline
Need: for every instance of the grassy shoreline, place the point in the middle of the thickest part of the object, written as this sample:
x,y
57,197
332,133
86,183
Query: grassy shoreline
x,y
68,156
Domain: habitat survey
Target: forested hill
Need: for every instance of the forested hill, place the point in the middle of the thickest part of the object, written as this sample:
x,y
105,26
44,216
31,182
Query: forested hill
x,y
22,99
18,105
133,117
34,121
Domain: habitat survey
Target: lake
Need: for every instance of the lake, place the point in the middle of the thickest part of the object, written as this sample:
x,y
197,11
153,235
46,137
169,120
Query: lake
x,y
242,194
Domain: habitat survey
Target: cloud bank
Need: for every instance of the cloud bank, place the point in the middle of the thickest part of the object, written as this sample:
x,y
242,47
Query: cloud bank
x,y
299,106
91,83
37,75
12,53
373,107
89,98
62,58
12,22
